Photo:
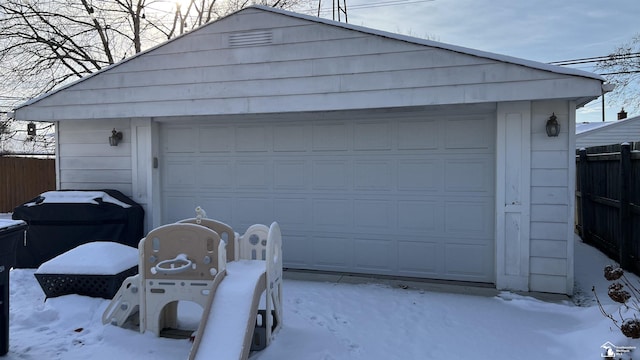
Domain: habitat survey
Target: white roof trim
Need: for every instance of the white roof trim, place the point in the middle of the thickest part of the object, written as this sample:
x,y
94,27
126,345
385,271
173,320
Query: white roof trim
x,y
409,39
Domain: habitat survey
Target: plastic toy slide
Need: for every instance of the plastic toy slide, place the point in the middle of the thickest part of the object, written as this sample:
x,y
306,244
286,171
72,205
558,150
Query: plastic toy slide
x,y
188,261
226,331
227,328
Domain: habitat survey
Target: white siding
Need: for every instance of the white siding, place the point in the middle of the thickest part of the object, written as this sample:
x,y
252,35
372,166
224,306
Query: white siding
x,y
305,66
88,162
551,200
616,133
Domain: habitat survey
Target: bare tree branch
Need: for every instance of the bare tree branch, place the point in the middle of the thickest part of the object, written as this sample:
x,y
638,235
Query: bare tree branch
x,y
622,68
48,43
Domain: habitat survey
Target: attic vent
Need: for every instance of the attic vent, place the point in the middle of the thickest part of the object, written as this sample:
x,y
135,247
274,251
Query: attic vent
x,y
252,38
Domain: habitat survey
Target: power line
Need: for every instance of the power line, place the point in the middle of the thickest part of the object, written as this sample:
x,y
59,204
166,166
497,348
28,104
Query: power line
x,y
622,72
388,3
382,4
6,97
596,59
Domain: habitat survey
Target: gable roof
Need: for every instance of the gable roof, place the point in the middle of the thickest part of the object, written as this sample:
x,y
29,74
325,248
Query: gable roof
x,y
468,96
440,45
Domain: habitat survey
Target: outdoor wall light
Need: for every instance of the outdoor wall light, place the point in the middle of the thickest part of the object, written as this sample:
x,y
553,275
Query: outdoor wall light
x,y
31,129
553,128
115,138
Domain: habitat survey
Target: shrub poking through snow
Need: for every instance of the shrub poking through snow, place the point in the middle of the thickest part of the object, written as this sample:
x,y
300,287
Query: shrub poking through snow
x,y
631,328
611,273
617,293
624,292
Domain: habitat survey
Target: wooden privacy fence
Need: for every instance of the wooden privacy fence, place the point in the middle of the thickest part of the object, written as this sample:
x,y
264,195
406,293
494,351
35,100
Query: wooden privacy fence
x,y
607,203
22,179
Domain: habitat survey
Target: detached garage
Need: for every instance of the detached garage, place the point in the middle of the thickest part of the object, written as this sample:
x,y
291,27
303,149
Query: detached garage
x,y
377,153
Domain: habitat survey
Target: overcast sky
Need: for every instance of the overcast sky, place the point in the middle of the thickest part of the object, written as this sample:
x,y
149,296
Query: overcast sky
x,y
540,30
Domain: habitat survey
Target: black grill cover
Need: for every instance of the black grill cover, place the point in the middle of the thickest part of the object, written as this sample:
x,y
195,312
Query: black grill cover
x,y
55,228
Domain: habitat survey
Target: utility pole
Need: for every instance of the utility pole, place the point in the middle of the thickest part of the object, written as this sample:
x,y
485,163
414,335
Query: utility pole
x,y
339,8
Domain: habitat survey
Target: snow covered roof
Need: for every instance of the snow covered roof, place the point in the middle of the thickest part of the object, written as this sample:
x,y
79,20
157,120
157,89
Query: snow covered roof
x,y
587,126
608,133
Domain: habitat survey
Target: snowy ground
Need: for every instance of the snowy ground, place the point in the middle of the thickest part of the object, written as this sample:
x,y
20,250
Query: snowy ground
x,y
344,321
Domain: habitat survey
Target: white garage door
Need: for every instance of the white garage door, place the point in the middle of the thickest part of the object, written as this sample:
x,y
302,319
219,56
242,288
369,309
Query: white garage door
x,y
407,195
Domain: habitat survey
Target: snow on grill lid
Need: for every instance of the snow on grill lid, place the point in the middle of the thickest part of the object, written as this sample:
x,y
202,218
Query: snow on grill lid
x,y
8,223
77,197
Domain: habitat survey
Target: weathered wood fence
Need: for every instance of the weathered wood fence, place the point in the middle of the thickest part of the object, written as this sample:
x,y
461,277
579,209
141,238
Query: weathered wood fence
x,y
23,178
608,202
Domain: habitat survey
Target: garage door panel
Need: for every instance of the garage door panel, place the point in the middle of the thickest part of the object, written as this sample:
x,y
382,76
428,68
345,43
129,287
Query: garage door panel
x,y
297,245
468,261
292,211
419,258
420,175
217,207
472,174
375,254
290,138
376,175
330,137
372,136
290,174
468,133
180,140
215,174
332,252
181,174
423,134
253,138
330,174
216,139
374,215
423,217
332,214
252,210
469,219
179,207
251,174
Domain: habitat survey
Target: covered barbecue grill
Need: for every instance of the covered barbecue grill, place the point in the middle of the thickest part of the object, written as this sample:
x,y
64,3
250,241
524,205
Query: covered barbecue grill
x,y
59,221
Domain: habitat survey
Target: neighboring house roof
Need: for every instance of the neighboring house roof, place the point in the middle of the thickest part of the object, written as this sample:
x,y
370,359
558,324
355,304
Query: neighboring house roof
x,y
586,126
608,133
468,93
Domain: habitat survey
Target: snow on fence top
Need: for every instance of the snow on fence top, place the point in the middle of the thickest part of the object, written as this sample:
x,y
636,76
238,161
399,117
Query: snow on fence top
x,y
77,197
